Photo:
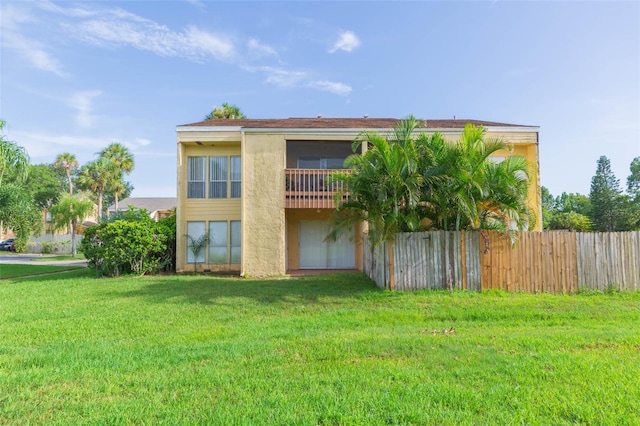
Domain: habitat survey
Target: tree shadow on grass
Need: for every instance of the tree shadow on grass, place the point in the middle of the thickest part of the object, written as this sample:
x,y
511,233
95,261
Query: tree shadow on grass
x,y
61,275
210,290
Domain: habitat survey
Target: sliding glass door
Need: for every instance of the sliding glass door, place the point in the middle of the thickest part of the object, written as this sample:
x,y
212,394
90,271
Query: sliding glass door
x,y
316,253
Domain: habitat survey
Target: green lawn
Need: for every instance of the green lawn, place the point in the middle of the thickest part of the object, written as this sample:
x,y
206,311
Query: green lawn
x,y
21,270
59,257
316,350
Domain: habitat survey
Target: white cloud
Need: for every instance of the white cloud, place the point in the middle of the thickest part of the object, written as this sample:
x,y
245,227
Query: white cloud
x,y
283,78
116,27
347,42
204,42
259,49
331,86
70,11
34,52
83,103
290,79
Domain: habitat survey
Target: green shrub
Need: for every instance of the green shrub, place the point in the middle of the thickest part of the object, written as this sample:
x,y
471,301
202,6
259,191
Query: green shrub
x,y
167,226
125,247
47,247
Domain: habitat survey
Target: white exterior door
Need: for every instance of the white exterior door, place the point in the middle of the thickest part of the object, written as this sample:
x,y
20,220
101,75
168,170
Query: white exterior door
x,y
316,253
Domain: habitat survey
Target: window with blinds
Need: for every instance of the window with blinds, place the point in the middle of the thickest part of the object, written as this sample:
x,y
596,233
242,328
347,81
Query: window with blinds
x,y
196,167
236,176
218,177
224,177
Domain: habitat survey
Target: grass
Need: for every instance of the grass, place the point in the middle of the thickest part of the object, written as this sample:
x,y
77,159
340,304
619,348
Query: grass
x,y
58,258
313,350
21,270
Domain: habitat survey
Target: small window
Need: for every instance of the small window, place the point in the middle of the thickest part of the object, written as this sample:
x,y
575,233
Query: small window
x,y
195,177
218,177
236,176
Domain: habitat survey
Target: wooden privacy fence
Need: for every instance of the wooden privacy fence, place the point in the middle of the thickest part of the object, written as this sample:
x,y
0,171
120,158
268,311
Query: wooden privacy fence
x,y
549,262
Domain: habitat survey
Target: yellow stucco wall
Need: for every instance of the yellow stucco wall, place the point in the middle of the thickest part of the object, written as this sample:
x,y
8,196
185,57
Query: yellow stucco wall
x,y
263,220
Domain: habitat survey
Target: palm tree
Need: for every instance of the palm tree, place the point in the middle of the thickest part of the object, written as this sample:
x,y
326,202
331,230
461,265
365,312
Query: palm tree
x,y
119,155
225,111
383,187
123,160
69,211
197,246
117,187
504,201
13,158
408,180
96,176
456,198
69,163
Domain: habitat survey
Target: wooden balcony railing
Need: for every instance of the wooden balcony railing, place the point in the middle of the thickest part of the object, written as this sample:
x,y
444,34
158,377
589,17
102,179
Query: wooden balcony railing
x,y
310,188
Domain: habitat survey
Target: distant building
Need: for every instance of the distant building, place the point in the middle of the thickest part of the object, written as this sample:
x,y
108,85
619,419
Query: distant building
x,y
158,207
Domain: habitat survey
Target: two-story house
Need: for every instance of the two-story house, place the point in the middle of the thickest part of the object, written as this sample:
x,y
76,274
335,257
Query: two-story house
x,y
258,188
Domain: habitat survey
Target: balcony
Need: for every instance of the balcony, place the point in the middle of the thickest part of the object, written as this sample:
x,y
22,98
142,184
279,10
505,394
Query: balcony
x,y
310,188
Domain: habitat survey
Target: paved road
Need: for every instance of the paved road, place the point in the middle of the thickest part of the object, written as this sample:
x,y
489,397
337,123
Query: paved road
x,y
26,259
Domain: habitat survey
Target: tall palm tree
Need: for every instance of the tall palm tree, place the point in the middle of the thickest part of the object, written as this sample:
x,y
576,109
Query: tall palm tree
x,y
117,187
225,111
95,176
124,162
383,186
68,162
69,211
119,155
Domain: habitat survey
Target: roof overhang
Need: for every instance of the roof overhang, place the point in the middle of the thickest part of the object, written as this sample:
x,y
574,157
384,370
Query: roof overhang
x,y
334,130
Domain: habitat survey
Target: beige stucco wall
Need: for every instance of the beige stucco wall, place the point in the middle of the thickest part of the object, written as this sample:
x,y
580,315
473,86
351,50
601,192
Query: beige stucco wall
x,y
263,220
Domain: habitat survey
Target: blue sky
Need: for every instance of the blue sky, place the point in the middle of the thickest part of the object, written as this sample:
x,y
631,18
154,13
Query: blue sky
x,y
76,76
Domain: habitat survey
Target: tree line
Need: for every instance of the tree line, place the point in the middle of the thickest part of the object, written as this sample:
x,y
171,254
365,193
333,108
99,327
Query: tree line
x,y
607,208
67,190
